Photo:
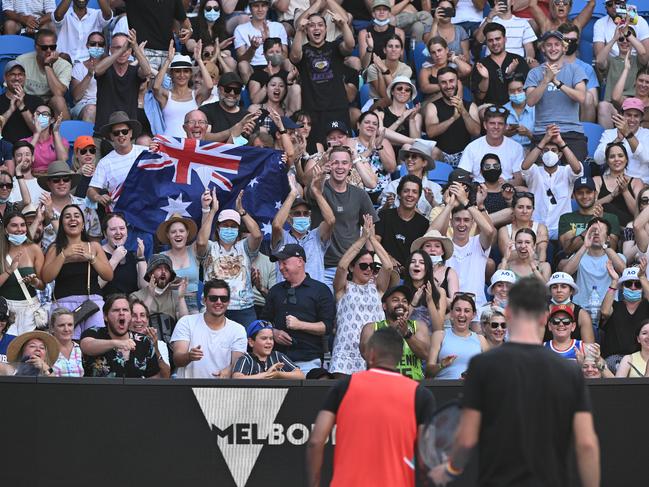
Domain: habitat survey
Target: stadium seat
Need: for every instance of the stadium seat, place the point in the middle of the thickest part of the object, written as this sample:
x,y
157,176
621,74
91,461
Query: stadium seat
x,y
12,46
364,94
245,98
586,51
419,57
441,172
579,5
593,133
71,129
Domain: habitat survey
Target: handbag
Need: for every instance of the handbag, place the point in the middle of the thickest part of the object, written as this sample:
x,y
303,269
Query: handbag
x,y
88,308
40,314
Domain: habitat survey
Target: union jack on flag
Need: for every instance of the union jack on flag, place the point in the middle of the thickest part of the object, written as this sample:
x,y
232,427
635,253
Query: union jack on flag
x,y
173,179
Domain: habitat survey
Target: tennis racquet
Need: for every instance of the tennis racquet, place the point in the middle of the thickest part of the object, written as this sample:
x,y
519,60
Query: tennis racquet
x,y
438,434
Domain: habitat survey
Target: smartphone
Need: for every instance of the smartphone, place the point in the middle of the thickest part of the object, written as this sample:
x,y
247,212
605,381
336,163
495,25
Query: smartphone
x,y
448,12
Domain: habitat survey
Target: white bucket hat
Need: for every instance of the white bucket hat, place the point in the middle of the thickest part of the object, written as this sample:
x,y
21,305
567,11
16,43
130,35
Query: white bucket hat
x,y
402,79
562,278
502,275
629,274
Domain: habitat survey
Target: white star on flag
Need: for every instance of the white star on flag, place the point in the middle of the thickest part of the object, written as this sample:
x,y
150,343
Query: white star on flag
x,y
267,228
278,205
176,206
252,182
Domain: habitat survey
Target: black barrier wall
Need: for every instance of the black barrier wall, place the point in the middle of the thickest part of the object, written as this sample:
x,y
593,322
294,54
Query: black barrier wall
x,y
113,432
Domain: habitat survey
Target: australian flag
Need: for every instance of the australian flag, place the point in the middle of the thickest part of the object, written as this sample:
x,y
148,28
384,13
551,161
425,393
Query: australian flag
x,y
173,179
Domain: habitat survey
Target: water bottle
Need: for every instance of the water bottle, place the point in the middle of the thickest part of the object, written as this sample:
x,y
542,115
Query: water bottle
x,y
594,304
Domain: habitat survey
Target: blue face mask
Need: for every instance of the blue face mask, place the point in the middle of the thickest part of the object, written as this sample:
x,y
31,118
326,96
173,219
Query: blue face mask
x,y
228,235
381,22
554,301
43,120
16,239
212,15
96,52
166,82
517,98
632,295
301,224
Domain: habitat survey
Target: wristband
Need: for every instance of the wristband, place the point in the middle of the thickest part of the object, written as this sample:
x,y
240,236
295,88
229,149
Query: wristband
x,y
563,147
612,288
451,471
19,177
282,132
629,136
205,210
559,85
386,72
540,148
408,335
243,213
23,109
140,259
369,49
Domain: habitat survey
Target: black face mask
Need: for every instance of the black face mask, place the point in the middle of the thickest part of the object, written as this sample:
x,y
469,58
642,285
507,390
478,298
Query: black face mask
x,y
491,175
573,44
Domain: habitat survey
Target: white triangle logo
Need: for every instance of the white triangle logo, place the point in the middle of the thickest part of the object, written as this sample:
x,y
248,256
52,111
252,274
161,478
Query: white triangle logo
x,y
224,407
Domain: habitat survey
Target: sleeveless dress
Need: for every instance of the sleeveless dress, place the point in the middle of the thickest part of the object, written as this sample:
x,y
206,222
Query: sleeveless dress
x,y
638,365
191,273
618,206
463,347
360,304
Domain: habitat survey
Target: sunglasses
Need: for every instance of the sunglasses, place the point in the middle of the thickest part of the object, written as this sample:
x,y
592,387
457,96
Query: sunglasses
x,y
497,109
209,9
212,298
301,213
117,133
61,179
562,2
632,285
96,44
486,167
644,201
407,89
92,150
232,89
366,265
6,185
208,54
43,113
290,296
495,325
623,39
47,47
561,321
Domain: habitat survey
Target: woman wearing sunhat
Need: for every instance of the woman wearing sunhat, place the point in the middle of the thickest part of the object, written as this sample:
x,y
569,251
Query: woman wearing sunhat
x,y
399,120
179,233
31,354
440,248
562,288
180,98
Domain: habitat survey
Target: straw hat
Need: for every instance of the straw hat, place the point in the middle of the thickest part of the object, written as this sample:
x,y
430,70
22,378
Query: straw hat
x,y
17,344
163,228
446,242
58,169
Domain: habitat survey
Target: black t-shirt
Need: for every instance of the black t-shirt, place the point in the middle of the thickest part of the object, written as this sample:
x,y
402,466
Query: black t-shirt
x,y
620,328
219,119
141,362
116,93
527,396
397,235
15,128
404,129
321,74
124,277
207,35
358,9
497,89
154,21
456,137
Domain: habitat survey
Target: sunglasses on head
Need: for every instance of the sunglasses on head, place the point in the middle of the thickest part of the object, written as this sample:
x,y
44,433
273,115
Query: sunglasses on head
x,y
497,109
213,298
232,89
366,265
117,133
495,325
96,44
60,179
47,47
6,185
524,194
561,321
632,285
92,150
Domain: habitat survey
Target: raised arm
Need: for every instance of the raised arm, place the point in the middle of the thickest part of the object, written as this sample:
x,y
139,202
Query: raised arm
x,y
209,207
328,218
161,94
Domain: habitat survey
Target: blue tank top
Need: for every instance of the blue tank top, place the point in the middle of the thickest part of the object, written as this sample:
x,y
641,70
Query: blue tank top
x,y
463,347
570,353
190,272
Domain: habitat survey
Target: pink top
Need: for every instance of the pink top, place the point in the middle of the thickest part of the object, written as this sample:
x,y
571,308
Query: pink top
x,y
44,154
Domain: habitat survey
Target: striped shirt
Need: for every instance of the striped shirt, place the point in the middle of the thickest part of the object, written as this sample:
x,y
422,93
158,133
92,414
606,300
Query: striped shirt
x,y
249,364
35,8
72,367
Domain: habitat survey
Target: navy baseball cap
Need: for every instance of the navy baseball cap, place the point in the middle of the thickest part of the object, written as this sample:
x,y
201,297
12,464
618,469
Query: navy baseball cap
x,y
258,325
288,251
337,125
585,182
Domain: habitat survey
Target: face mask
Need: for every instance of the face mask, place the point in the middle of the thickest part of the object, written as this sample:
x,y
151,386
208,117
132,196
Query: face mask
x,y
491,175
166,82
96,52
632,295
16,239
275,59
550,159
573,44
517,98
228,235
301,223
381,22
566,301
212,15
436,259
43,120
3,200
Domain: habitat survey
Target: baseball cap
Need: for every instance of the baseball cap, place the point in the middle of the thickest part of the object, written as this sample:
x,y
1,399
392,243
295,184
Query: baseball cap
x,y
287,251
460,175
300,201
407,292
11,65
585,182
552,33
288,123
633,104
258,325
229,78
230,215
381,3
337,125
84,141
562,308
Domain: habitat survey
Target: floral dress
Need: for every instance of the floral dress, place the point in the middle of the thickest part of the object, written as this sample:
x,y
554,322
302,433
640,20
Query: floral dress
x,y
361,304
384,177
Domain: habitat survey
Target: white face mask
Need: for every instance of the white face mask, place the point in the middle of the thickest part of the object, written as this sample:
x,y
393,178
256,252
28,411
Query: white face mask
x,y
550,159
436,259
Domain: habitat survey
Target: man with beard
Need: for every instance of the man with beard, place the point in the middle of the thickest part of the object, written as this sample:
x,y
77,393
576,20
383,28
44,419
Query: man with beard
x,y
572,225
550,182
321,64
488,79
208,345
20,123
113,350
451,121
164,294
510,152
416,339
557,89
470,254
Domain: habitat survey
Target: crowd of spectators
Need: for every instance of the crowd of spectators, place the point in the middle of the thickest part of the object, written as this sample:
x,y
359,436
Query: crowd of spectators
x,y
436,152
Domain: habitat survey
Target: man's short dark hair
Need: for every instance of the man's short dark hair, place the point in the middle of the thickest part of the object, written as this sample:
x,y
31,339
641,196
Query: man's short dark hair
x,y
446,70
215,284
20,144
492,27
110,300
388,344
409,178
270,42
44,33
568,27
529,295
599,219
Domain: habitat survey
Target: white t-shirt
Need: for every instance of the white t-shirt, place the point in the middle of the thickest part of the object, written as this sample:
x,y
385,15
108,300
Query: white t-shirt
x,y
519,32
510,152
112,170
35,191
217,345
466,11
604,29
242,35
548,209
470,262
79,72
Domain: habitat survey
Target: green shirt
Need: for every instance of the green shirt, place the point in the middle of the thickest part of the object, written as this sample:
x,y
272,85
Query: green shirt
x,y
410,365
578,222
